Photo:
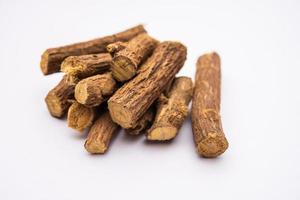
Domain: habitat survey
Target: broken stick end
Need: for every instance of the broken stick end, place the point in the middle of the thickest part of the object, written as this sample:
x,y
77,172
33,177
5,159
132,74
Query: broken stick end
x,y
120,115
44,63
162,134
81,94
54,106
212,146
80,117
123,68
95,148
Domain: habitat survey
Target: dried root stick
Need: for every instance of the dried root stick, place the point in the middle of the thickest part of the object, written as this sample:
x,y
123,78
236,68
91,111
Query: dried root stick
x,y
100,134
126,61
134,98
143,123
57,98
80,117
79,67
53,57
172,110
206,121
94,90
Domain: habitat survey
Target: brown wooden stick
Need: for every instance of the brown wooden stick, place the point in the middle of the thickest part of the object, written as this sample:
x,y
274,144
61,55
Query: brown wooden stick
x,y
80,117
143,123
133,99
171,110
94,90
126,61
206,121
57,98
79,67
53,57
100,134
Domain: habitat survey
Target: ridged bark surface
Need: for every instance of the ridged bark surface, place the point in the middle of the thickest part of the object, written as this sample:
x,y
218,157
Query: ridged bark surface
x,y
133,99
143,123
206,121
100,134
96,89
172,110
127,60
57,98
79,67
53,57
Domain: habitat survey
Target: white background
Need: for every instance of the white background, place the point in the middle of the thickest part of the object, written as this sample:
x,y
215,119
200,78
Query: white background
x,y
42,159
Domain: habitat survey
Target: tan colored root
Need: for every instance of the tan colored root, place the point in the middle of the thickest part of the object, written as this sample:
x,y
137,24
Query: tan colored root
x,y
80,67
94,90
206,121
57,98
53,57
80,117
172,110
143,123
133,99
100,134
126,61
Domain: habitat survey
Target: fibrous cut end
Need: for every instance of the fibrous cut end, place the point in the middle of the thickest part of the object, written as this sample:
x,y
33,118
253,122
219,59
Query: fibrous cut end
x,y
81,94
54,105
123,68
162,133
213,145
80,116
95,147
121,115
44,63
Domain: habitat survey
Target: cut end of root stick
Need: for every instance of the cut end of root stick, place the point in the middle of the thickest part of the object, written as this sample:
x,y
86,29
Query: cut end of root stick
x,y
44,63
212,146
95,147
123,68
120,115
162,134
81,94
80,117
54,105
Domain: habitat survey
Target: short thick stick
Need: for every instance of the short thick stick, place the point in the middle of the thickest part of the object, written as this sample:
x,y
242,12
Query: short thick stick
x,y
126,61
94,90
143,123
133,99
80,117
57,98
206,121
172,110
79,67
53,57
100,134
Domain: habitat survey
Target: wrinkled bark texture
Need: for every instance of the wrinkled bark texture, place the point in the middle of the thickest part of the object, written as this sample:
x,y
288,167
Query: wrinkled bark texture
x,y
53,57
134,98
100,135
172,110
57,98
80,67
126,61
206,121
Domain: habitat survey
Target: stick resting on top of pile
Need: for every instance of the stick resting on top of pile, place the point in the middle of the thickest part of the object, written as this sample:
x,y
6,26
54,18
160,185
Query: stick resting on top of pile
x,y
133,99
53,57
